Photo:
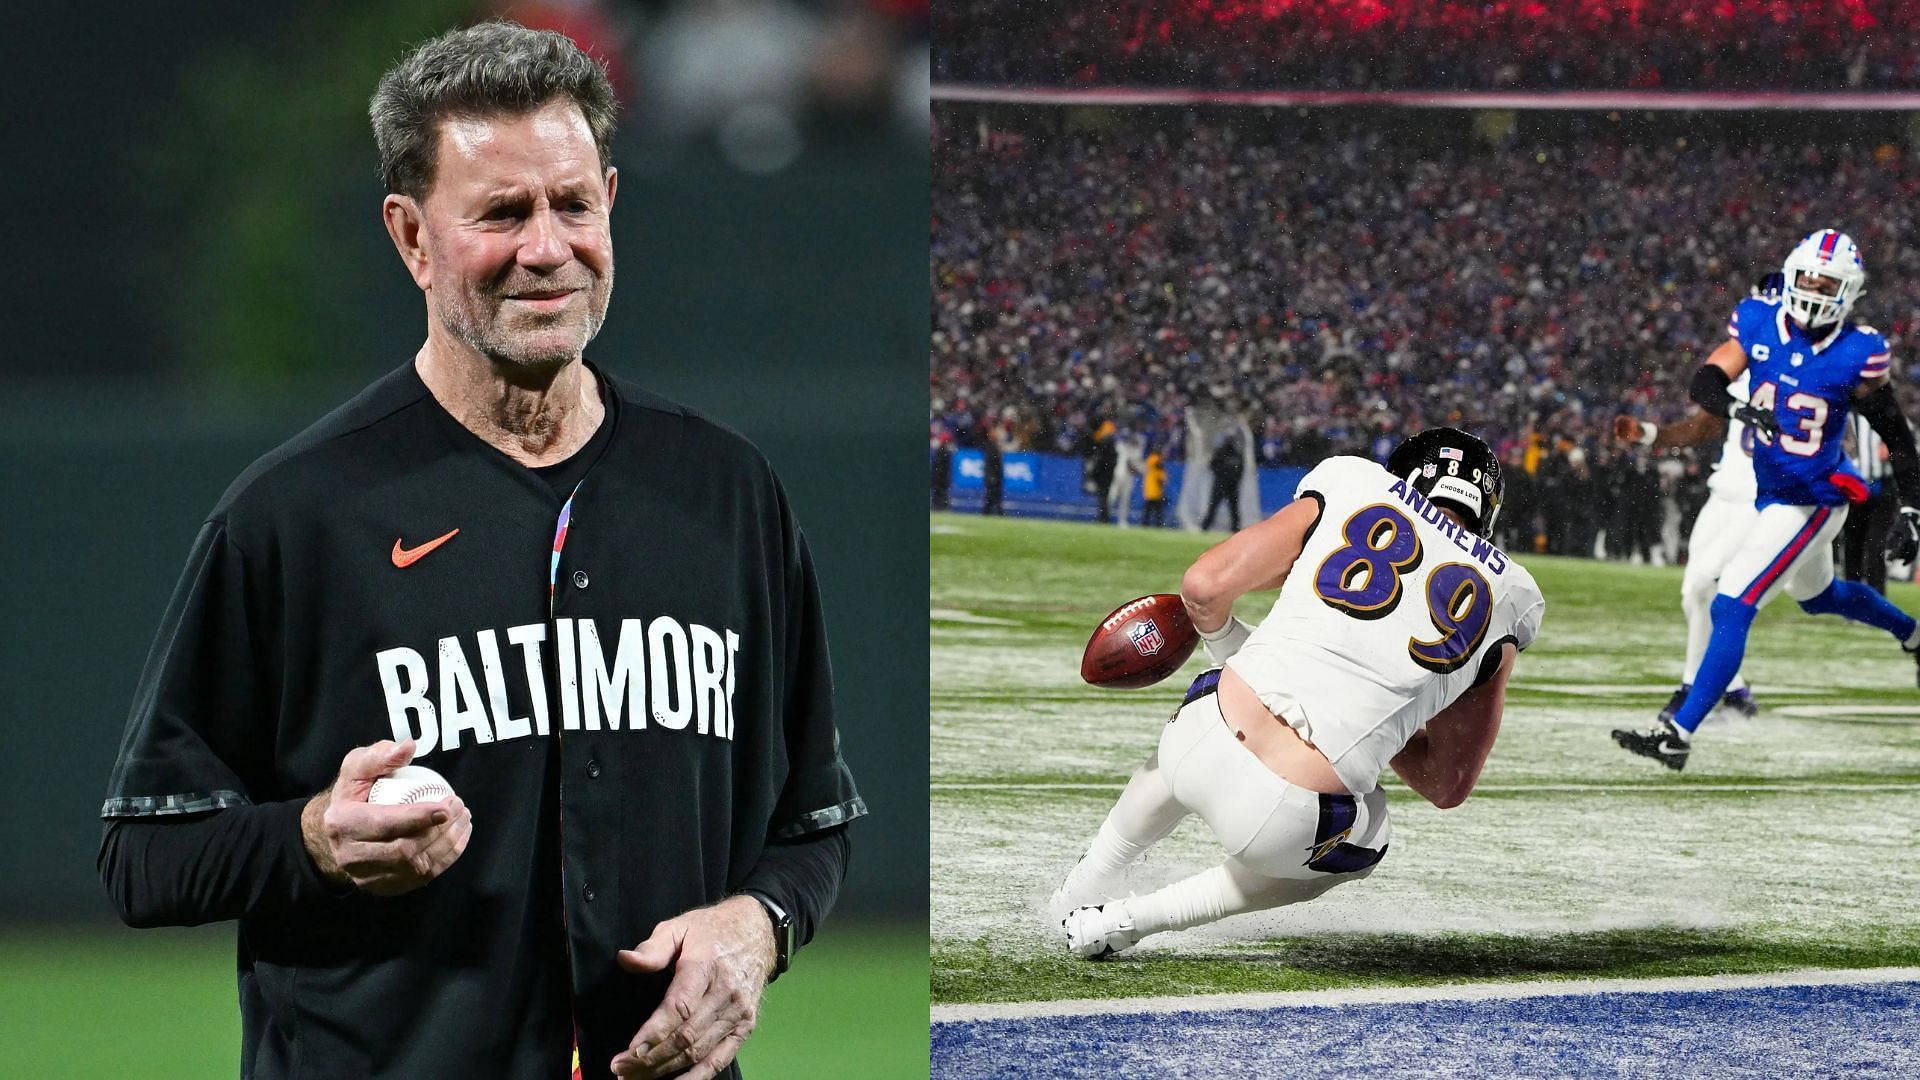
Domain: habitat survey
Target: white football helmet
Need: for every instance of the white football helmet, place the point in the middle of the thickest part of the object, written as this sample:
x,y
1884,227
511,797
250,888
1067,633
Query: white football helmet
x,y
1828,253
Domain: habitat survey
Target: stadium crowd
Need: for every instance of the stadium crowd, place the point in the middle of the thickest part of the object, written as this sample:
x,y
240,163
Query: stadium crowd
x,y
1434,44
1338,290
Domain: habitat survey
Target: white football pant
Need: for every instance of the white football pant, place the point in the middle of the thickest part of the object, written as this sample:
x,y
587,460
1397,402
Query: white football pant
x,y
1271,830
1723,523
1785,547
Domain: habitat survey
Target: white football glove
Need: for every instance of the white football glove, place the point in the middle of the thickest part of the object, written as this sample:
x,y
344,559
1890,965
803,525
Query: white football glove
x,y
1227,640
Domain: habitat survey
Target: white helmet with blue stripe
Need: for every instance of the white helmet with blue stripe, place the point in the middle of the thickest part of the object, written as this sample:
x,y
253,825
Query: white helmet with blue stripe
x,y
1829,254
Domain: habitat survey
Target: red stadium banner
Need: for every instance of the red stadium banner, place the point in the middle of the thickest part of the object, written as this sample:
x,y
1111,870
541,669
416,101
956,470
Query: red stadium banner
x,y
1643,100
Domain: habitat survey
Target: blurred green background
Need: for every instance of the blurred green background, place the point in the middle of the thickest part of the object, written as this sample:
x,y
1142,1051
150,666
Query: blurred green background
x,y
206,274
162,1006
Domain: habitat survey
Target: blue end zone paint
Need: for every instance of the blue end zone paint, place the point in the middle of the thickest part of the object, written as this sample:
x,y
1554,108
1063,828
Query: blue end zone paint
x,y
1851,1031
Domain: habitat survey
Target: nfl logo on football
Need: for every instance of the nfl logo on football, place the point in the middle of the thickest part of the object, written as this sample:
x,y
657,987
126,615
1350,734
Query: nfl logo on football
x,y
1145,637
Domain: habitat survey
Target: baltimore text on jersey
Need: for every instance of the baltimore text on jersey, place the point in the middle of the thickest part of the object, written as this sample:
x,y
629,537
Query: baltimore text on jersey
x,y
662,671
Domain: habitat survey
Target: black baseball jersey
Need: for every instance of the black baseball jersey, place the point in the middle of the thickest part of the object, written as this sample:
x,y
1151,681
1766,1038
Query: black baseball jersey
x,y
625,677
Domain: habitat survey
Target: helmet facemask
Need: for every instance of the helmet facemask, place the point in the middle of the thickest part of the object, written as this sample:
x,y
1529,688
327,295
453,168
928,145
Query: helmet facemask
x,y
1811,305
1812,302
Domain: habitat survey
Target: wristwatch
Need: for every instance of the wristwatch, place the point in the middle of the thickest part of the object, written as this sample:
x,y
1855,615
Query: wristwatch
x,y
782,933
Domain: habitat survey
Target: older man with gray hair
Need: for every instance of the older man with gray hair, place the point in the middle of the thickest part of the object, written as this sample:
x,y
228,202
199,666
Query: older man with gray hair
x,y
589,609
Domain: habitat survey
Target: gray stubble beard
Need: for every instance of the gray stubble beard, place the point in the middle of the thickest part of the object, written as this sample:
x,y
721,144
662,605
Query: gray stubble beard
x,y
455,319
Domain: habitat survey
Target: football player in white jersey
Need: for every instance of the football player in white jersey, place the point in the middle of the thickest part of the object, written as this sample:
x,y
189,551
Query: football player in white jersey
x,y
1390,645
1721,525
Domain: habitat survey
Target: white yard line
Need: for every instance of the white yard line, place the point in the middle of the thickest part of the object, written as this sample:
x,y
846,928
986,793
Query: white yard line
x,y
1017,1010
1564,689
1620,689
1677,788
989,785
1819,711
959,615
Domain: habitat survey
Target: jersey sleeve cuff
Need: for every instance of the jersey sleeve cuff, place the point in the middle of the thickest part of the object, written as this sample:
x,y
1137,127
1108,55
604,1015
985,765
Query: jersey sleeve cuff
x,y
192,802
825,818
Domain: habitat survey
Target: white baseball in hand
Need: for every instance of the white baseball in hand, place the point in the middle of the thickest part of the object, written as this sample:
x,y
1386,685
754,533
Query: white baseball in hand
x,y
409,784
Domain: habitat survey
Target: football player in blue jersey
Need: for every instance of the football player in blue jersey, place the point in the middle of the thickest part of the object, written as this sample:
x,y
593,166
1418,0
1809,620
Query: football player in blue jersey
x,y
1807,368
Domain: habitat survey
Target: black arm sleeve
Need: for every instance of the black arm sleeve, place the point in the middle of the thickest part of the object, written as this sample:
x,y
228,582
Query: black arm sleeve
x,y
184,870
1709,390
1882,411
803,876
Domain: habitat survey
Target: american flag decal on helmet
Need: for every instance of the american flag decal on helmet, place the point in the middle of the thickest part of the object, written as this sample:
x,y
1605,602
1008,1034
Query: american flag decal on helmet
x,y
1145,636
1453,453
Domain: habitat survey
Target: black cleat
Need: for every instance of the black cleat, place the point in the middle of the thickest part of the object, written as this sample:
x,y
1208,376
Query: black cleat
x,y
1663,744
1741,703
1672,707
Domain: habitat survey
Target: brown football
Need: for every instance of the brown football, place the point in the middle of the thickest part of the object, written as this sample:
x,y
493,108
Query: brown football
x,y
1141,643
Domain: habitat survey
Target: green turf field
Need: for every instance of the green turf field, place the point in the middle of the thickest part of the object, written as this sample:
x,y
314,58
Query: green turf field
x,y
1788,842
162,1004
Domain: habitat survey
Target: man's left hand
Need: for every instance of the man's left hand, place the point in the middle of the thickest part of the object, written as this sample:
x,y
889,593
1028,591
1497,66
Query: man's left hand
x,y
721,956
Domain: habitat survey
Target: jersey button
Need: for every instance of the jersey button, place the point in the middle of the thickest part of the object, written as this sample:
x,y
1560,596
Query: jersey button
x,y
593,769
579,579
587,894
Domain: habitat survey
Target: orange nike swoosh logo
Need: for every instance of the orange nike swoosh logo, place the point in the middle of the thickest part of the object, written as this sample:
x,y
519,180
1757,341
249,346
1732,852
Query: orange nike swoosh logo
x,y
403,556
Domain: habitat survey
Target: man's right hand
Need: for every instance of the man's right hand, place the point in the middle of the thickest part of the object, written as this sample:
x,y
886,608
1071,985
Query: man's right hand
x,y
386,850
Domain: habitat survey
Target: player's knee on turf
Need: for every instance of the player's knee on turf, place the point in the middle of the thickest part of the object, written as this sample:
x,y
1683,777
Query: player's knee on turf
x,y
1281,892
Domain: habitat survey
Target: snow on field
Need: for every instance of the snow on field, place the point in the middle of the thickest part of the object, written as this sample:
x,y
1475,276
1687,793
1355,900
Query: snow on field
x,y
1799,826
